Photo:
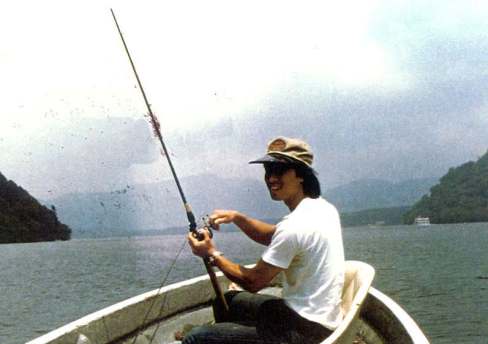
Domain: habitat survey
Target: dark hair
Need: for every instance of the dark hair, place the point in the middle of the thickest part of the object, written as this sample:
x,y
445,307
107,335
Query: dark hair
x,y
311,184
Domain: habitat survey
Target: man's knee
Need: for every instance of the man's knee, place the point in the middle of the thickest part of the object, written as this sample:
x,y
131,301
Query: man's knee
x,y
221,314
197,335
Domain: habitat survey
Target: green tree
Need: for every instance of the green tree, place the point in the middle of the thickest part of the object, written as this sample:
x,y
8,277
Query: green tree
x,y
460,196
24,219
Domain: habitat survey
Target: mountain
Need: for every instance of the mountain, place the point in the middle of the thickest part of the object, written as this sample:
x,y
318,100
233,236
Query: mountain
x,y
158,206
378,217
24,219
374,193
460,196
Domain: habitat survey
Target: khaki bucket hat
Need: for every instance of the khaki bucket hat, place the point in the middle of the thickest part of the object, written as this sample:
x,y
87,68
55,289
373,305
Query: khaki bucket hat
x,y
287,150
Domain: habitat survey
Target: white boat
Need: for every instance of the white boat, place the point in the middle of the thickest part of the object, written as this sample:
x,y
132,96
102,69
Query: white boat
x,y
371,317
422,221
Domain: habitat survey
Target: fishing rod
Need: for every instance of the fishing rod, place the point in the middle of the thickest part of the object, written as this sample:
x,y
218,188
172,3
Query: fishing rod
x,y
189,213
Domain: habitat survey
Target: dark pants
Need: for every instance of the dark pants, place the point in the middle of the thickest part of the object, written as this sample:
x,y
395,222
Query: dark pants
x,y
256,318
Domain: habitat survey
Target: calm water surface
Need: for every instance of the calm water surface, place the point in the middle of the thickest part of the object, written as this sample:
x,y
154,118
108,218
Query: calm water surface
x,y
439,274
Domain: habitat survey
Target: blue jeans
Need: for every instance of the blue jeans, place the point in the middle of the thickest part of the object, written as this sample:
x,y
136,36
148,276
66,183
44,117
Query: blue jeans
x,y
259,319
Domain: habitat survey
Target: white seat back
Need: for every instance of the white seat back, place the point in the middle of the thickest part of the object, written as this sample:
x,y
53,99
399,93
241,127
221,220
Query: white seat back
x,y
358,279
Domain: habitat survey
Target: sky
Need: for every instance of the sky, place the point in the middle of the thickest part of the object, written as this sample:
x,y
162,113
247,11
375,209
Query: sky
x,y
394,90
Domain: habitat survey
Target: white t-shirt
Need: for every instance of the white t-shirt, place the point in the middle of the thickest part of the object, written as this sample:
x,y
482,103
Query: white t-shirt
x,y
308,244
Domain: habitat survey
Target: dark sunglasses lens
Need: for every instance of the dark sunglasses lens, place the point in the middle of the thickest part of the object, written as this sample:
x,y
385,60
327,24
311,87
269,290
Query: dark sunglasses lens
x,y
276,169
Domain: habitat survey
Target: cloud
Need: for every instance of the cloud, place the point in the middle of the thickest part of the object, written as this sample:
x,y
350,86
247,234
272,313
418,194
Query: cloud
x,y
436,121
393,90
81,155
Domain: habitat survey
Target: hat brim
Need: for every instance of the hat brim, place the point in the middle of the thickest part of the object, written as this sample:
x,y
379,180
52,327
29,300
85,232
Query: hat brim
x,y
275,158
269,158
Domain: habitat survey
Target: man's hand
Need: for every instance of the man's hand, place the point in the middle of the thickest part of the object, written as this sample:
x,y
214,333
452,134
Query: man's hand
x,y
202,248
220,216
258,231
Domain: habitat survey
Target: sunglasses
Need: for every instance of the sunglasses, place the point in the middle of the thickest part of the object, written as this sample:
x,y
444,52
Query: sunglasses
x,y
276,169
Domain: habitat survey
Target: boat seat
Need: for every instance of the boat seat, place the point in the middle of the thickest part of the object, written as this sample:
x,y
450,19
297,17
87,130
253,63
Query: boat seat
x,y
358,279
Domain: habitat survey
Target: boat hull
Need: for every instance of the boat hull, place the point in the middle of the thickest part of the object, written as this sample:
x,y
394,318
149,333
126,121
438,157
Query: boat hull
x,y
155,316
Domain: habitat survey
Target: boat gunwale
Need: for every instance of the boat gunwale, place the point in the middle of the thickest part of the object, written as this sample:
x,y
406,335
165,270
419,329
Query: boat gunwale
x,y
411,329
88,324
76,327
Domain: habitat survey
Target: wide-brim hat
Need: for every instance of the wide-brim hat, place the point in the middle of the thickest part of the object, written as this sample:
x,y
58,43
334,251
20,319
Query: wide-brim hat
x,y
287,150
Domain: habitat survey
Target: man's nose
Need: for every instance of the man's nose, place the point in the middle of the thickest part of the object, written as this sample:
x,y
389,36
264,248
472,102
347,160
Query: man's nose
x,y
271,178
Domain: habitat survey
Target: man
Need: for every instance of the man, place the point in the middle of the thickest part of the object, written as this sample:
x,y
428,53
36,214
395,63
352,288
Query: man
x,y
306,245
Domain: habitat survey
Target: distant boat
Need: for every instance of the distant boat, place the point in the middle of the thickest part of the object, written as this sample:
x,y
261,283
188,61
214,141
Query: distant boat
x,y
422,221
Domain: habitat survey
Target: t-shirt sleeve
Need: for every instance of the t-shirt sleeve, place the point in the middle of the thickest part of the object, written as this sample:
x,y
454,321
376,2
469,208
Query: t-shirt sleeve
x,y
281,250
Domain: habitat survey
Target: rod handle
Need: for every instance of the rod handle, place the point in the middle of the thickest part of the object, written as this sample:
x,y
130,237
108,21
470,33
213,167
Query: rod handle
x,y
215,284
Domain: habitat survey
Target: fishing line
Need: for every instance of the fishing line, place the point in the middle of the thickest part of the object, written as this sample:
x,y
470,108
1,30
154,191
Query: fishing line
x,y
163,302
106,328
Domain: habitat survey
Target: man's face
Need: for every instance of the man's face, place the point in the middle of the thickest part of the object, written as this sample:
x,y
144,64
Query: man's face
x,y
282,181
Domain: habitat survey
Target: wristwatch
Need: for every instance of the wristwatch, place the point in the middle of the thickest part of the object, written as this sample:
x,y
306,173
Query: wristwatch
x,y
215,254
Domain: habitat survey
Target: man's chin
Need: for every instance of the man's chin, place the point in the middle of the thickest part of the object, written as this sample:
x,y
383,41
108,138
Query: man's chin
x,y
274,196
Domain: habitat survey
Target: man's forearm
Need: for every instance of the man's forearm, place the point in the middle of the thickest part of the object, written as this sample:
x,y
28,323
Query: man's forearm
x,y
258,231
244,277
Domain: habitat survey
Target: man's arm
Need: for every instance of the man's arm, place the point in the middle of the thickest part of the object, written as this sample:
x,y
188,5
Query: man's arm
x,y
252,279
259,231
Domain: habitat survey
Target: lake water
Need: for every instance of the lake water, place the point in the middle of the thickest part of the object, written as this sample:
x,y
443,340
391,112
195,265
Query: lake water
x,y
439,274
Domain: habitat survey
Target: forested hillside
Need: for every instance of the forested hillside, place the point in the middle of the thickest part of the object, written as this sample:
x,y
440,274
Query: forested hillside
x,y
461,196
24,219
380,216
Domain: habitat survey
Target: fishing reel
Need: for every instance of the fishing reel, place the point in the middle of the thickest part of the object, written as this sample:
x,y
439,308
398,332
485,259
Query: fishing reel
x,y
205,224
